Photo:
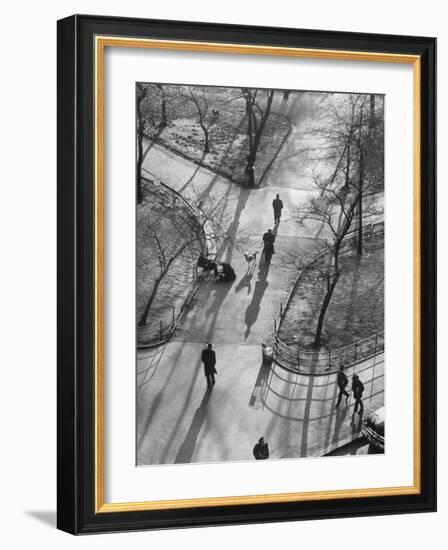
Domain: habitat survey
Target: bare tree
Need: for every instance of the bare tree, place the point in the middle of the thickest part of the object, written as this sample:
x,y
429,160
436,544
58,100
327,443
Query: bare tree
x,y
141,94
341,182
188,235
206,117
153,113
257,117
190,224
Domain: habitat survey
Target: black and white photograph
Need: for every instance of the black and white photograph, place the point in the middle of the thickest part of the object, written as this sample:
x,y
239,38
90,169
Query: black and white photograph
x,y
259,274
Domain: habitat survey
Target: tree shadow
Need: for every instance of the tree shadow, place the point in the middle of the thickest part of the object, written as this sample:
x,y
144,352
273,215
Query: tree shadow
x,y
193,175
187,448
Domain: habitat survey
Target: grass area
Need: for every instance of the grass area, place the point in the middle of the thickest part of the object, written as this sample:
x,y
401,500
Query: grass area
x,y
164,216
356,310
228,136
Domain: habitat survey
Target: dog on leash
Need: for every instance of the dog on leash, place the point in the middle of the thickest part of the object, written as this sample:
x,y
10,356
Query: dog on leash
x,y
251,258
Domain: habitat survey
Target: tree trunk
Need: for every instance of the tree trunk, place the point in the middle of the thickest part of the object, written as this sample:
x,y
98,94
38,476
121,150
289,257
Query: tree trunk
x,y
138,174
372,113
254,140
361,183
323,310
206,141
145,313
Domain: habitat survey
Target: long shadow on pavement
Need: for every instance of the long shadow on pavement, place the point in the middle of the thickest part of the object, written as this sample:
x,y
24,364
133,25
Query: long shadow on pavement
x,y
186,451
253,309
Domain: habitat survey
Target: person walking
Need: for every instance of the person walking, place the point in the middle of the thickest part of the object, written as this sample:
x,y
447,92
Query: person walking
x,y
358,389
268,251
277,205
261,450
342,382
209,360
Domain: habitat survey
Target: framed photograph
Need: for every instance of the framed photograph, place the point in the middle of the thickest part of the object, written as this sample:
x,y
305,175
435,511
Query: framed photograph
x,y
246,274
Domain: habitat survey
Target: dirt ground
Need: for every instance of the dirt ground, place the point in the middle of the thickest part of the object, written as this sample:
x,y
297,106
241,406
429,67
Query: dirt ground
x,y
157,208
356,310
228,137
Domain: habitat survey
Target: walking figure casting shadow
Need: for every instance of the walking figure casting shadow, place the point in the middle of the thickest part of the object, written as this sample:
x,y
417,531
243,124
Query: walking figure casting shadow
x,y
186,451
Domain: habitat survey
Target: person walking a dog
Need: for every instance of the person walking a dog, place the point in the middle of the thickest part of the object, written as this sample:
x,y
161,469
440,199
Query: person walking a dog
x,y
209,360
277,205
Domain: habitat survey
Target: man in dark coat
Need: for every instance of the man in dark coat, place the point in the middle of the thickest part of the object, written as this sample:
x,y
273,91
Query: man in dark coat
x,y
358,389
268,239
209,360
342,382
207,265
261,450
227,273
277,205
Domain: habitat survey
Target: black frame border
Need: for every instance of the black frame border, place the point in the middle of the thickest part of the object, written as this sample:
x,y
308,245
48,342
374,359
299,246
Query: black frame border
x,y
76,261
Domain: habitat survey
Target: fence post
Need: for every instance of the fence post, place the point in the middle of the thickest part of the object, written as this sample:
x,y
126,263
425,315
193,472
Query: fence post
x,y
161,331
356,349
281,309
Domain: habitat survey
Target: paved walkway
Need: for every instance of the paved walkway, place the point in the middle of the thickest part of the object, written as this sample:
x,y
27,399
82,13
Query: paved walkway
x,y
178,420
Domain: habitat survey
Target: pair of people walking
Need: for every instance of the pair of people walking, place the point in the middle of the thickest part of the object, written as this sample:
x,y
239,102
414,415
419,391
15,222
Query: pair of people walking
x,y
357,389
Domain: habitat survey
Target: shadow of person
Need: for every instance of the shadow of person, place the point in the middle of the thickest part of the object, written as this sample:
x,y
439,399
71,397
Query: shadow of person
x,y
356,425
341,415
263,267
253,309
187,448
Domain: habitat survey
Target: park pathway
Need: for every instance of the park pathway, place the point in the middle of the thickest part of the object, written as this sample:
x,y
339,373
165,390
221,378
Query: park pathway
x,y
177,419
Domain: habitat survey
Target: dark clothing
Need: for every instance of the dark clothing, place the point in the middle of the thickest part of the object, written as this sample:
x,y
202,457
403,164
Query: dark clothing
x,y
342,379
207,265
261,451
210,379
227,273
268,239
342,392
358,389
277,205
342,382
209,360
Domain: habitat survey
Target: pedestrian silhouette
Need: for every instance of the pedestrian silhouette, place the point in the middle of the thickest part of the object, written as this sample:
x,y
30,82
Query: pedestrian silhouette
x,y
209,360
277,205
261,450
358,389
342,382
268,250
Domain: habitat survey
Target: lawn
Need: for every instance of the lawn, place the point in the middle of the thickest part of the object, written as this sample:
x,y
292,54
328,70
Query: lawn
x,y
356,310
167,213
228,135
